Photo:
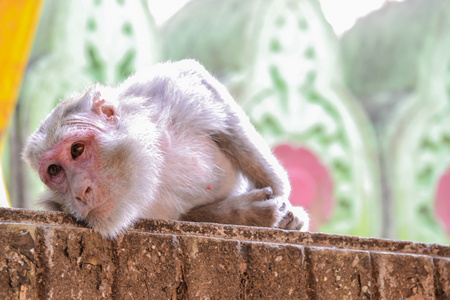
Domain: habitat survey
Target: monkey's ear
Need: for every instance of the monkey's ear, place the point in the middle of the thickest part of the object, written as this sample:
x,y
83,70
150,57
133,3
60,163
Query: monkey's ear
x,y
104,110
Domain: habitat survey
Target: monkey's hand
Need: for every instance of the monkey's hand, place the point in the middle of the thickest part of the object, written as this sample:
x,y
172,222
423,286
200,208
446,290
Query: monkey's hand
x,y
294,218
254,208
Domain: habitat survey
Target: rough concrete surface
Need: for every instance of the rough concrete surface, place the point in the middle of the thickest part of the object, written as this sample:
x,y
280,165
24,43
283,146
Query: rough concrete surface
x,y
47,255
272,271
339,274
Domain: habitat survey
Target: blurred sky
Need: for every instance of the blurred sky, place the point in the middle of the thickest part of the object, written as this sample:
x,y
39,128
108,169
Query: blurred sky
x,y
341,14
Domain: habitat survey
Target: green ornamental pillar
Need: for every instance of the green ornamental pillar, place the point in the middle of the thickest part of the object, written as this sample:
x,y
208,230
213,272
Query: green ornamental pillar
x,y
280,59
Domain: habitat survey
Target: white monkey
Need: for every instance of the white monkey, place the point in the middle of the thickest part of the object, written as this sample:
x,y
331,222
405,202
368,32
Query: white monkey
x,y
168,143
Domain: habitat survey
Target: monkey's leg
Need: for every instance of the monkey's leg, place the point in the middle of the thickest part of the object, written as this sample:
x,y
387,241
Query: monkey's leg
x,y
254,208
246,209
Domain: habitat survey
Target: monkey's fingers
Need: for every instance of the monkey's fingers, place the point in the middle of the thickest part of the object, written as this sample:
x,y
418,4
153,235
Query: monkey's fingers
x,y
294,219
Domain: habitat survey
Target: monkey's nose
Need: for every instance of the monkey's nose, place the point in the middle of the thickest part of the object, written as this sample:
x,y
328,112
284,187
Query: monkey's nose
x,y
84,196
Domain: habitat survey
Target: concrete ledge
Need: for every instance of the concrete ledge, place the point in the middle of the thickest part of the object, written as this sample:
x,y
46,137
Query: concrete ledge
x,y
47,255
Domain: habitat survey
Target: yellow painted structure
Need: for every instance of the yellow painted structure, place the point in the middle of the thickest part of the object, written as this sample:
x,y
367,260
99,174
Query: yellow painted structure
x,y
18,23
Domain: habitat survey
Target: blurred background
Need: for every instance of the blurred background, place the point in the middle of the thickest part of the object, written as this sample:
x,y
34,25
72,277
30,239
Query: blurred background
x,y
353,96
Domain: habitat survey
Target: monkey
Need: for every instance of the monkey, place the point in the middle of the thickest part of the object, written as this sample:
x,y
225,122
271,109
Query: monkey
x,y
169,143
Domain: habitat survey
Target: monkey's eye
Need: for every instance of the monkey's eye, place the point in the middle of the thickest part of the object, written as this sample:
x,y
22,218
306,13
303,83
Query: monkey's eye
x,y
54,170
76,150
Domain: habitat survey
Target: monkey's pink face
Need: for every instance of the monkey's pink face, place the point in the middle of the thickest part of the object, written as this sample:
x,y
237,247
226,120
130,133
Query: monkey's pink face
x,y
73,168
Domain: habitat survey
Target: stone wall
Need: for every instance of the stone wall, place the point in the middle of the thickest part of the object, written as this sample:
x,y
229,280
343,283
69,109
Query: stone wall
x,y
47,255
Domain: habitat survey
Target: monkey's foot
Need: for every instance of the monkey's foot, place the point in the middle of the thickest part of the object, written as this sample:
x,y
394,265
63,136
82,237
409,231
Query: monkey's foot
x,y
259,208
275,212
254,208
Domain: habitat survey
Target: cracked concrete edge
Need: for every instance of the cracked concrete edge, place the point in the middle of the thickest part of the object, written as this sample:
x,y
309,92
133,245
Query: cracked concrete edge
x,y
242,233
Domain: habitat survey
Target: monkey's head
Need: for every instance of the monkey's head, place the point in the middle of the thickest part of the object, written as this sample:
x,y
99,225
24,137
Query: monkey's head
x,y
85,155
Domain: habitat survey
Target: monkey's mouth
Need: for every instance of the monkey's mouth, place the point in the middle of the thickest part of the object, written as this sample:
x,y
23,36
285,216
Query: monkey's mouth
x,y
91,207
101,211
